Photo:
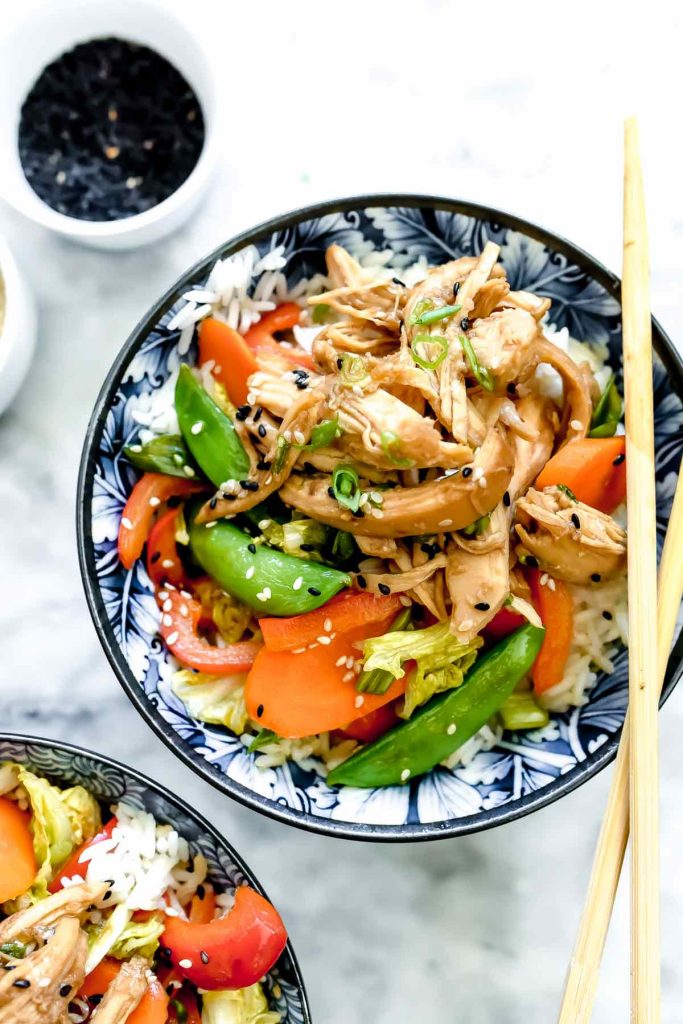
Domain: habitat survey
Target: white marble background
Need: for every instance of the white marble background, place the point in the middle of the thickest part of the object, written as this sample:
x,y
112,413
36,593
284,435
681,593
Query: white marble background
x,y
518,106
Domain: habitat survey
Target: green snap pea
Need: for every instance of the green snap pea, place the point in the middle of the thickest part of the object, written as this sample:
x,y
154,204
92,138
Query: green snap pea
x,y
607,412
208,432
267,580
167,454
436,730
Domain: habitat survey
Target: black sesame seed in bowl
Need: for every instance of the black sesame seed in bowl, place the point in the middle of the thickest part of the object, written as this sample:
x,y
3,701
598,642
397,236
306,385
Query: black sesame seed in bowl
x,y
107,135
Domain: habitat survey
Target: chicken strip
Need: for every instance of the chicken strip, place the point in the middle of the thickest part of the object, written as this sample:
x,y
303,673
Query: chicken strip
x,y
48,978
35,920
124,993
568,539
477,577
504,342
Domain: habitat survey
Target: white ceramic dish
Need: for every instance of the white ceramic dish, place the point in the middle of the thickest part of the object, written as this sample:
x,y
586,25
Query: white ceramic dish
x,y
37,41
18,333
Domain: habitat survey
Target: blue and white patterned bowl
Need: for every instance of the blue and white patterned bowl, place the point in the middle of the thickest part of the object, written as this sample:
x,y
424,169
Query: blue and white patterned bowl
x,y
110,782
525,771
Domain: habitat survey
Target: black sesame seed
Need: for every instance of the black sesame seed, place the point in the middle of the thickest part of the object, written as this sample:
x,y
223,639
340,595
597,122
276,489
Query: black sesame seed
x,y
174,501
259,710
22,983
229,497
596,577
262,430
398,281
576,521
107,896
314,592
340,363
249,485
531,561
9,967
309,468
384,589
482,606
464,324
467,471
264,464
170,989
243,412
619,459
361,581
155,557
204,957
166,950
456,289
506,499
252,548
330,491
607,615
358,513
258,414
302,385
201,891
213,502
307,547
95,999
64,991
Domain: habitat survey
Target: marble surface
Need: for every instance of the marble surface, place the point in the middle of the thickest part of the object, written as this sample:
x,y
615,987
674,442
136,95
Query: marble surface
x,y
501,106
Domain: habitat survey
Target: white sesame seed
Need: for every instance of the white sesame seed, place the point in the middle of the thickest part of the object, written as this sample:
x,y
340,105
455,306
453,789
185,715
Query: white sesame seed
x,y
376,497
405,774
327,625
483,482
167,606
184,610
250,572
163,596
298,650
214,522
171,639
251,397
154,501
377,513
313,645
241,493
364,499
174,913
544,579
186,964
324,640
269,479
348,676
299,437
185,593
168,563
358,665
551,583
188,471
340,661
405,601
359,701
451,728
264,524
465,625
287,434
126,523
135,448
167,620
296,585
446,522
197,427
350,661
576,424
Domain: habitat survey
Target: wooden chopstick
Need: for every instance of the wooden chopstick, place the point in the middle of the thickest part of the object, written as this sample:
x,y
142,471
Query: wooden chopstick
x,y
582,976
642,593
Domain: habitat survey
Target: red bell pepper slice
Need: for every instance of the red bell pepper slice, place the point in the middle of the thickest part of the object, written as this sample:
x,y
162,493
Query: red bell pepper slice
x,y
503,623
179,628
345,612
229,952
260,337
73,867
164,564
371,727
139,511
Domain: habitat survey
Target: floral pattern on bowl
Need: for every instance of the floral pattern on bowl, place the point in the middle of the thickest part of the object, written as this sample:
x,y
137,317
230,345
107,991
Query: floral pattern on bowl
x,y
524,771
111,782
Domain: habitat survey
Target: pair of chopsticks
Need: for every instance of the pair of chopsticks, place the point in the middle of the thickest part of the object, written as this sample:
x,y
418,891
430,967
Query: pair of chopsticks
x,y
634,795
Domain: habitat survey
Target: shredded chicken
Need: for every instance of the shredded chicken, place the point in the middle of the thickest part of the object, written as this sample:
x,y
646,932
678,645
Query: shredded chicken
x,y
37,919
568,539
124,993
48,977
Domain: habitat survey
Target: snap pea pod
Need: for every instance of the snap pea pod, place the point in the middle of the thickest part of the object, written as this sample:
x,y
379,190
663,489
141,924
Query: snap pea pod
x,y
267,580
208,432
167,454
436,730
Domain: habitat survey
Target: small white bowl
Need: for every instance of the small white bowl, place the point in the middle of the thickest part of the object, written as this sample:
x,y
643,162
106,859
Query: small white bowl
x,y
37,41
18,333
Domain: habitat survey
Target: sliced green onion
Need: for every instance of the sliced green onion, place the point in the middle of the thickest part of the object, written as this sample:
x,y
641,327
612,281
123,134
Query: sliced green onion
x,y
520,711
323,433
432,316
479,372
346,487
281,453
421,307
429,340
179,1010
378,680
353,370
477,527
390,442
15,948
565,490
265,736
343,547
607,412
320,313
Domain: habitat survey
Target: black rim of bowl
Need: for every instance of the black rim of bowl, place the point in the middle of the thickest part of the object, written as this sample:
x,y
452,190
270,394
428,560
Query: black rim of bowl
x,y
309,822
184,808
